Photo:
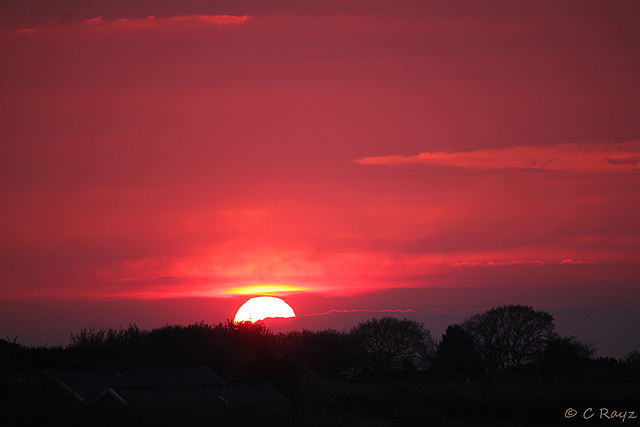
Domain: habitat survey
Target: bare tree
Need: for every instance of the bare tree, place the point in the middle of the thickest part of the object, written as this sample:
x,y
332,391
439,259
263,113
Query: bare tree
x,y
510,335
390,344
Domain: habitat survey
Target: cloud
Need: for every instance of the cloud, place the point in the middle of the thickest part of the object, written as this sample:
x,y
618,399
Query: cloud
x,y
566,157
404,311
570,261
526,262
25,31
155,22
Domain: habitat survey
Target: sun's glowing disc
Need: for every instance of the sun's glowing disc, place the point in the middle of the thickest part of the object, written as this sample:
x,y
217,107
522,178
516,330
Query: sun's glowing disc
x,y
262,307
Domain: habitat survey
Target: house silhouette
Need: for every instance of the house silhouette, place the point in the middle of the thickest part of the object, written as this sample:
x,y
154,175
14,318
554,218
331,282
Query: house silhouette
x,y
171,386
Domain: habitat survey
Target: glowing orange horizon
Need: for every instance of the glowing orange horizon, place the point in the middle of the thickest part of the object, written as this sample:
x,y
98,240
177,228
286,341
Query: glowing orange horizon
x,y
263,289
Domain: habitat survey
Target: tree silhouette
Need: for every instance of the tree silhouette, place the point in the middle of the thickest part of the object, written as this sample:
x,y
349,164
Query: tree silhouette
x,y
510,336
563,355
456,354
631,364
10,351
327,353
389,344
632,360
250,349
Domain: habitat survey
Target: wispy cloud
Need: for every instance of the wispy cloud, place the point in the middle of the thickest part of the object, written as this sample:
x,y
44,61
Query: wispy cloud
x,y
570,261
150,23
408,310
523,262
527,262
154,22
25,31
568,157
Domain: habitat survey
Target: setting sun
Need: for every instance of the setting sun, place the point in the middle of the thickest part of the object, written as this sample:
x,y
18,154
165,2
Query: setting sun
x,y
262,307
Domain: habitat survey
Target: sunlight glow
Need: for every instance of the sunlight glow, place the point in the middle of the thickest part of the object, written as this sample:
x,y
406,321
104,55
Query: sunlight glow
x,y
260,308
263,289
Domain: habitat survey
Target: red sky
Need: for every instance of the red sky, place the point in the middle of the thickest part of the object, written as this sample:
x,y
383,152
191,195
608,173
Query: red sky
x,y
429,155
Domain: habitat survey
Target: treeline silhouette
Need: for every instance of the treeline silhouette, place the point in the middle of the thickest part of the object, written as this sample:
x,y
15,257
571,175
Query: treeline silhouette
x,y
511,340
315,369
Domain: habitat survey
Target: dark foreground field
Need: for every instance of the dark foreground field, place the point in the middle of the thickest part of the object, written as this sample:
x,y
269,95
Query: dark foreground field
x,y
38,401
475,404
384,372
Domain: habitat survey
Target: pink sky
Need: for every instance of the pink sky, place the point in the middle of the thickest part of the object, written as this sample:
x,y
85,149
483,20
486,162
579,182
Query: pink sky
x,y
179,149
